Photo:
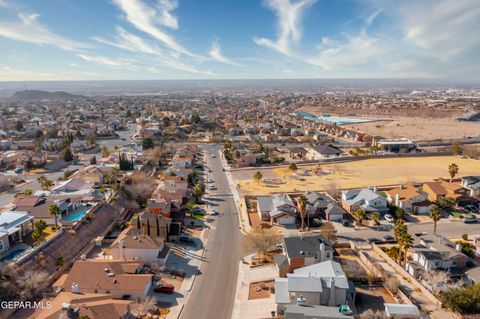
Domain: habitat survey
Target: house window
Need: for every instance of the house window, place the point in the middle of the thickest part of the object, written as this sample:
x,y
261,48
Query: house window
x,y
327,255
1,246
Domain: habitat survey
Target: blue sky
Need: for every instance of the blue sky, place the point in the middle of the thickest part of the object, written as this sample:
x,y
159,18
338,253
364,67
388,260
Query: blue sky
x,y
238,39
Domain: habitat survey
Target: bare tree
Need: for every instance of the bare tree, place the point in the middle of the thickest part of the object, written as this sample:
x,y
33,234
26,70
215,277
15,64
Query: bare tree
x,y
260,240
371,314
144,307
439,281
32,282
392,283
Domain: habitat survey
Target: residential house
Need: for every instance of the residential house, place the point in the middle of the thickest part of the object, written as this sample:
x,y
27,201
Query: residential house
x,y
38,207
116,277
297,152
410,198
133,244
94,306
278,209
323,283
76,187
365,199
246,160
302,311
322,151
443,189
472,184
13,227
322,205
300,251
433,252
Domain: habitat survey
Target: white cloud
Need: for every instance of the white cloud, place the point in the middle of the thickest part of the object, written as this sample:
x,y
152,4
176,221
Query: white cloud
x,y
443,29
217,55
353,52
289,17
110,62
149,19
131,42
28,29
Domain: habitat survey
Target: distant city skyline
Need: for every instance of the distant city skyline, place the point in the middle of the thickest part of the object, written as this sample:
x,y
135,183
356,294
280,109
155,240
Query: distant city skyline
x,y
248,39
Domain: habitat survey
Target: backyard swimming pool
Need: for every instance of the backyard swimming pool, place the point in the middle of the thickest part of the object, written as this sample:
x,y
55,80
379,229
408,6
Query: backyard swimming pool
x,y
11,255
330,119
77,214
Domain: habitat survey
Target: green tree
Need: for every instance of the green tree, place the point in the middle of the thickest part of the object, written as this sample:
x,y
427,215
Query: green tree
x,y
435,215
375,217
147,143
93,160
190,206
38,228
54,210
258,177
292,168
27,192
19,126
465,300
67,155
452,171
359,215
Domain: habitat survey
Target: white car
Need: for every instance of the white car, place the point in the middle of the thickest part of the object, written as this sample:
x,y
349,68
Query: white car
x,y
211,186
213,212
389,218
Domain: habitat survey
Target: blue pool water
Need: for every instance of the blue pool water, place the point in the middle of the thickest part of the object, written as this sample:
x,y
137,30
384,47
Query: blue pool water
x,y
78,215
13,254
330,119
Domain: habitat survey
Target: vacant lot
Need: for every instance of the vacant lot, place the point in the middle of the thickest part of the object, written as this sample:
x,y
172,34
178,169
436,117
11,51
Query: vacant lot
x,y
372,172
420,128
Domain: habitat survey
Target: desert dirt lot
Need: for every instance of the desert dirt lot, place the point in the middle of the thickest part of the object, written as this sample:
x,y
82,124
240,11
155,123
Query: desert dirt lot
x,y
366,173
420,128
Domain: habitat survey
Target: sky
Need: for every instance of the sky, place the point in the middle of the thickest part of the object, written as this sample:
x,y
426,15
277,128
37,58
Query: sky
x,y
238,39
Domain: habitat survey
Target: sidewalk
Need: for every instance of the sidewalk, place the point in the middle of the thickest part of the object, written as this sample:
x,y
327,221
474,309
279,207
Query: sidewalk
x,y
258,308
192,269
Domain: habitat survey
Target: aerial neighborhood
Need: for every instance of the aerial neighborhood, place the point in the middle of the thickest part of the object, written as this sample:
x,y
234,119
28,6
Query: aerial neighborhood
x,y
253,205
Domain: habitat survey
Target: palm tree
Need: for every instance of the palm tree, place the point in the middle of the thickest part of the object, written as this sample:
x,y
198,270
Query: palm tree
x,y
302,202
435,215
452,171
375,217
54,210
406,242
359,215
190,206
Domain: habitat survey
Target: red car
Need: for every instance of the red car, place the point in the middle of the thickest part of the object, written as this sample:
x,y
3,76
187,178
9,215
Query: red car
x,y
164,288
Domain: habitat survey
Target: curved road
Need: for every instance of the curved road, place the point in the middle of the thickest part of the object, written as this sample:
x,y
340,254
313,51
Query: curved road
x,y
213,292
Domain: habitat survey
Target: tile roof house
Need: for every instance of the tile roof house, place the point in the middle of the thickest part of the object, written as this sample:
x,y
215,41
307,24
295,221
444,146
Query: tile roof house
x,y
93,306
115,277
365,199
472,184
441,189
299,311
278,208
410,198
300,251
323,283
38,207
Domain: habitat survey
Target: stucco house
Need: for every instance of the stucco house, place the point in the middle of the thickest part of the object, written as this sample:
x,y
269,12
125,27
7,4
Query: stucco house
x,y
410,198
365,199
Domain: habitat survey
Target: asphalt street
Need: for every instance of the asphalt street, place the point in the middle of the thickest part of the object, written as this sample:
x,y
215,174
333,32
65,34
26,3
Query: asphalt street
x,y
213,292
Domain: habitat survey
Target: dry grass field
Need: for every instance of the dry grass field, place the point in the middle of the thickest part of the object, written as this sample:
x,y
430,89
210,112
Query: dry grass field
x,y
420,128
371,172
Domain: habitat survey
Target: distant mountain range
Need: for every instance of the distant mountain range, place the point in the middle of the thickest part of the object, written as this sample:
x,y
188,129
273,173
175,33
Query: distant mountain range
x,y
37,95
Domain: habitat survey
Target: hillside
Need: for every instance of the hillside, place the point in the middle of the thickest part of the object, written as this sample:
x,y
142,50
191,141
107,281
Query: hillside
x,y
37,95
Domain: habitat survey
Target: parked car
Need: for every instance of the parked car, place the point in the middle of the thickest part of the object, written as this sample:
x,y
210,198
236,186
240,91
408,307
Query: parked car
x,y
212,187
469,220
389,239
344,222
164,288
421,234
374,240
185,239
389,218
213,212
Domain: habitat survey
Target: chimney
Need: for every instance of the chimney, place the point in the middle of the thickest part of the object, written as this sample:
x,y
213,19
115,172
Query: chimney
x,y
458,247
301,301
331,299
397,199
375,189
120,249
322,252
